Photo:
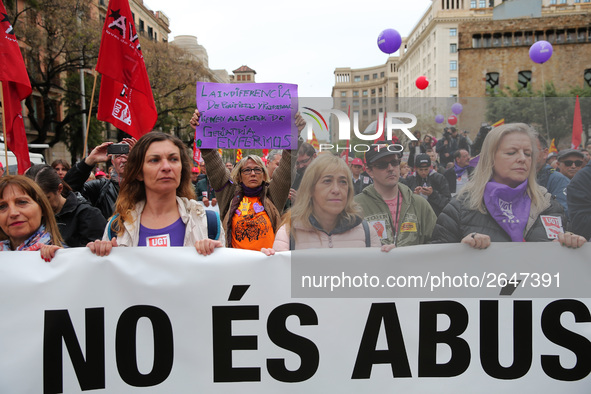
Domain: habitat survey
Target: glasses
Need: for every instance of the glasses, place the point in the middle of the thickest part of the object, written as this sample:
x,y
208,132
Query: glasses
x,y
302,162
256,170
569,163
384,164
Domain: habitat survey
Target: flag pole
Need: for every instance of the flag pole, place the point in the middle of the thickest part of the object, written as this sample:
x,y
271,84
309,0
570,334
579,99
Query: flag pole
x,y
4,126
89,114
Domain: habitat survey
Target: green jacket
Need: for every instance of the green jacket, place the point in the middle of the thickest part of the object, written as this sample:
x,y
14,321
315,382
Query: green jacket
x,y
417,218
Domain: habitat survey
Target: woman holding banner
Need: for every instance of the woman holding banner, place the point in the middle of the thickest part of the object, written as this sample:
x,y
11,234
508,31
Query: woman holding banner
x,y
502,202
156,204
324,214
249,200
27,221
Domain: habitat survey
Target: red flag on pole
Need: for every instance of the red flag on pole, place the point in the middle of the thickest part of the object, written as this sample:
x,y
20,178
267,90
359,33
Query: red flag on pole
x,y
126,99
577,126
15,88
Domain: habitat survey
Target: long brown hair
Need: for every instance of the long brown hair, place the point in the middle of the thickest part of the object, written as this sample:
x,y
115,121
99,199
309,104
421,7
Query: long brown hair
x,y
34,191
133,190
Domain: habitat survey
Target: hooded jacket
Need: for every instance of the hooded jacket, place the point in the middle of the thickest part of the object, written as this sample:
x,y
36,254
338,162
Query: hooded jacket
x,y
416,222
192,214
79,222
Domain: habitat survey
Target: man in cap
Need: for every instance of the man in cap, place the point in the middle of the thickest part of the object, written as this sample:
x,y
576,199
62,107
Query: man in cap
x,y
570,161
429,184
400,217
360,181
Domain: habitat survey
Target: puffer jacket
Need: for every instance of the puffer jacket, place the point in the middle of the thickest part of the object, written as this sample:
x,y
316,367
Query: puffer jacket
x,y
274,194
345,235
192,214
417,218
457,221
100,193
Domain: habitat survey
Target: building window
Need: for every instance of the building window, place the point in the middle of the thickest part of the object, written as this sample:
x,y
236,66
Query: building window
x,y
375,76
141,26
382,74
343,94
356,93
587,76
507,40
373,100
356,103
497,40
562,1
481,3
453,32
373,111
343,103
552,1
366,77
357,78
492,80
373,92
518,38
364,112
380,90
248,77
473,4
453,65
523,78
453,82
364,102
150,33
453,48
476,41
155,36
365,92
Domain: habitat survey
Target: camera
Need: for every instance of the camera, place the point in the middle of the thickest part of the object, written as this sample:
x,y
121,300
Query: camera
x,y
118,149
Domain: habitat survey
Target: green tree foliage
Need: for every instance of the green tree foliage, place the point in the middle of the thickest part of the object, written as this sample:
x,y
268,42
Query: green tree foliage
x,y
549,111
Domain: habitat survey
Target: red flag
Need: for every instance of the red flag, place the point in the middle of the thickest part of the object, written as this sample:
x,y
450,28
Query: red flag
x,y
314,141
196,153
238,155
577,126
126,99
15,88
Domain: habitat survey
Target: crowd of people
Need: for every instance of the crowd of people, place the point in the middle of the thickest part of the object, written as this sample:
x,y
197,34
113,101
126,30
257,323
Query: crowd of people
x,y
155,195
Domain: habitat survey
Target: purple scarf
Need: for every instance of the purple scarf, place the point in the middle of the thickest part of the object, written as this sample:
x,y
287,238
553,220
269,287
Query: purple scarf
x,y
509,207
459,170
252,192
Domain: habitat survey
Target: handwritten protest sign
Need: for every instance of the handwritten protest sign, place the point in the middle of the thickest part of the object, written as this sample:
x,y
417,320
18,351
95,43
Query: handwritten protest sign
x,y
246,115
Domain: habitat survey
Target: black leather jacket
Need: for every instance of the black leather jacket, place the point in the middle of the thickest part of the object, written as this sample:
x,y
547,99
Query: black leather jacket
x,y
101,193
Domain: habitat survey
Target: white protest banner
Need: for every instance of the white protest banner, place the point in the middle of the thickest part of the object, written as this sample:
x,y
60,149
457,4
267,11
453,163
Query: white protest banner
x,y
166,320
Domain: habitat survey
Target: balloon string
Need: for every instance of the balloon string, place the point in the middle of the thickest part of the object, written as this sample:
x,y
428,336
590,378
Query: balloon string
x,y
544,96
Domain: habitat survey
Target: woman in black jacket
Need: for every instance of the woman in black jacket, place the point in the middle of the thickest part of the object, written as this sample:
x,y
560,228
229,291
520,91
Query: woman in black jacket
x,y
502,202
79,222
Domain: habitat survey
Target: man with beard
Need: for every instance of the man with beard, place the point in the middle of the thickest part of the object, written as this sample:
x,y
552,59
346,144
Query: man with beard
x,y
458,175
101,193
400,217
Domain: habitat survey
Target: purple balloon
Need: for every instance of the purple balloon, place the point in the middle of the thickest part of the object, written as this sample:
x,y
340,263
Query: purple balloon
x,y
389,41
439,119
540,51
457,108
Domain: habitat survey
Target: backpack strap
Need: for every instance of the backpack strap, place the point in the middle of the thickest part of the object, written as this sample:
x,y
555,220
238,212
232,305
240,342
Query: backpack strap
x,y
213,224
367,234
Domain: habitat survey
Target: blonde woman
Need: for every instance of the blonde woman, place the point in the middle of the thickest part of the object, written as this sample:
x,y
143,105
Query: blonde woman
x,y
502,202
324,214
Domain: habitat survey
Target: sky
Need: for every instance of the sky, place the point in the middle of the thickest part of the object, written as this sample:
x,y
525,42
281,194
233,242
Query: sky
x,y
301,42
